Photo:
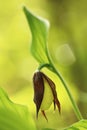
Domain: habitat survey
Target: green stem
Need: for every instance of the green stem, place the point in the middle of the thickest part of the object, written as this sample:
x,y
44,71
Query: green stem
x,y
75,107
51,67
43,65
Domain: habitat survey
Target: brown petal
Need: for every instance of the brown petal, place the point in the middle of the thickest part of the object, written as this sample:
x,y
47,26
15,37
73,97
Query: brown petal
x,y
52,85
38,90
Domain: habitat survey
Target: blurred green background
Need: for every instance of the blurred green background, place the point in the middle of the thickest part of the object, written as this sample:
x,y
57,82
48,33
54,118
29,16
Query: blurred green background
x,y
67,45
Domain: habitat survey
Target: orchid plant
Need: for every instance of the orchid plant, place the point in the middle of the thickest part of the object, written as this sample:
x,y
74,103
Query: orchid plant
x,y
39,29
17,117
42,84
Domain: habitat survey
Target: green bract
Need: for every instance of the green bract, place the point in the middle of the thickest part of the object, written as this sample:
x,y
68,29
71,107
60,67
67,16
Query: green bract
x,y
39,28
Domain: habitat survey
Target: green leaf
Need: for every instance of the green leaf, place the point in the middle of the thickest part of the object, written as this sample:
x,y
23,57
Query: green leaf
x,y
81,125
47,129
14,116
39,29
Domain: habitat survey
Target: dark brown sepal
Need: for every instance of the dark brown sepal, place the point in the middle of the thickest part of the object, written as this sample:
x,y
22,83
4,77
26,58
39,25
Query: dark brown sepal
x,y
38,90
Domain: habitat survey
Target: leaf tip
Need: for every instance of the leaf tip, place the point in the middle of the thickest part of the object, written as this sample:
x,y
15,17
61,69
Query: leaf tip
x,y
24,8
26,11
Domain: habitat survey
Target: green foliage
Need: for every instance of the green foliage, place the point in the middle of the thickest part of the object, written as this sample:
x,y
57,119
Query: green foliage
x,y
13,116
39,29
81,125
48,129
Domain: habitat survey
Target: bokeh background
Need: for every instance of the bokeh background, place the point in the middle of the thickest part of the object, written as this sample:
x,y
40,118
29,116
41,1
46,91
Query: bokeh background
x,y
67,45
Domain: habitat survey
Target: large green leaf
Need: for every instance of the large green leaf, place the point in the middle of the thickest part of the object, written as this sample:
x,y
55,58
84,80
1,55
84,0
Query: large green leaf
x,y
47,129
13,116
81,125
39,30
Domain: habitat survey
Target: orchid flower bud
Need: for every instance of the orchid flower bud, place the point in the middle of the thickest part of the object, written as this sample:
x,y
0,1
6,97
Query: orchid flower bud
x,y
44,93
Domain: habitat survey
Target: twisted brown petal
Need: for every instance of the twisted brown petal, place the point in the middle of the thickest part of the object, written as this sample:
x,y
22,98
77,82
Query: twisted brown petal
x,y
43,112
52,85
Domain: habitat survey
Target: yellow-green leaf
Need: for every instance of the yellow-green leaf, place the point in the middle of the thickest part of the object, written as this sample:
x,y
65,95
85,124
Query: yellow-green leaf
x,y
14,116
81,125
